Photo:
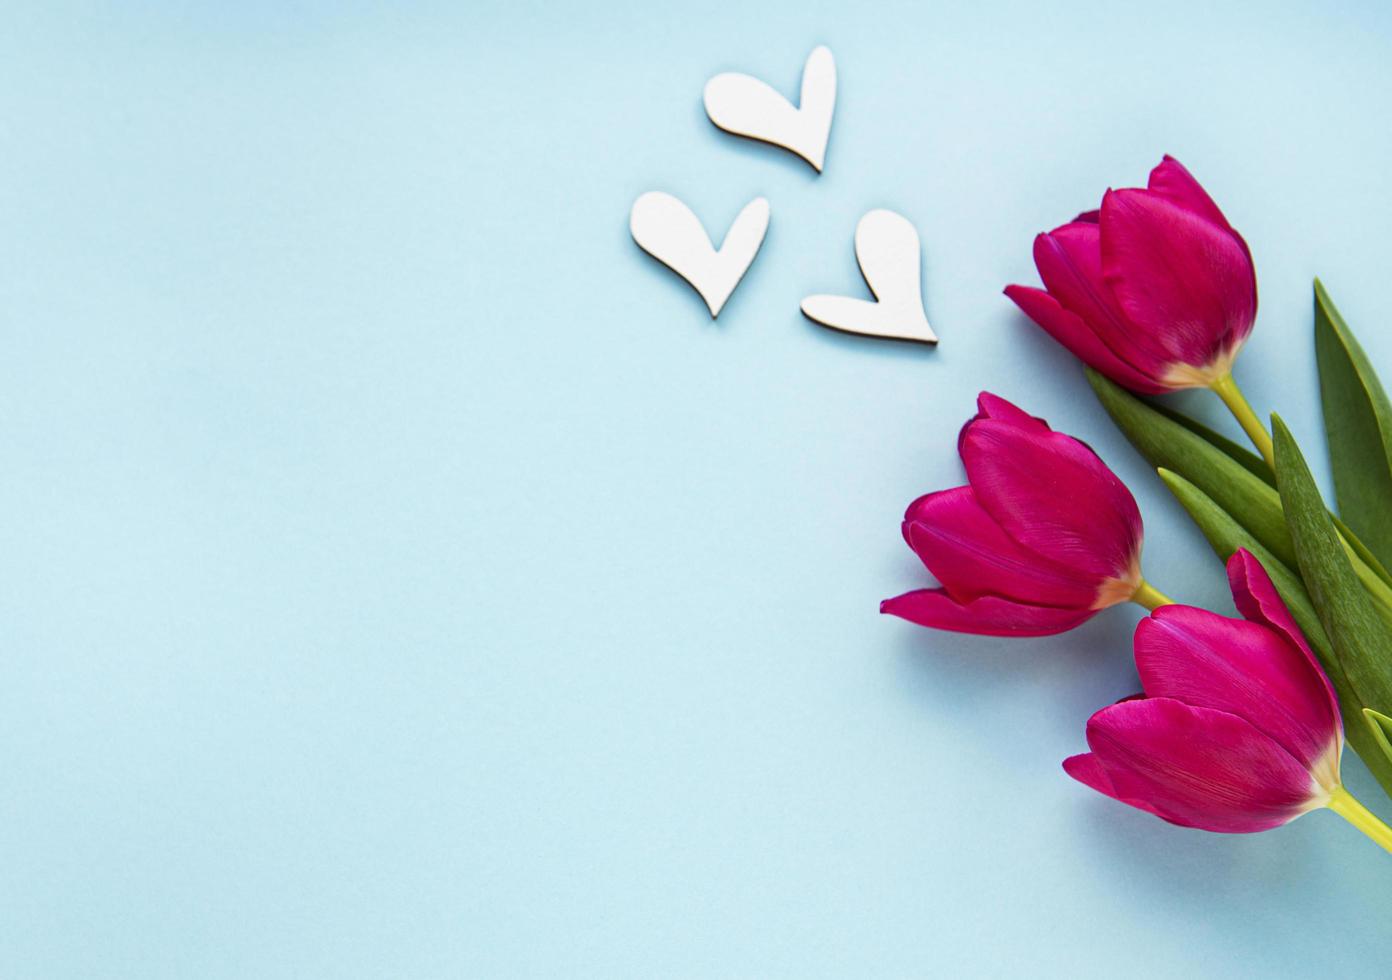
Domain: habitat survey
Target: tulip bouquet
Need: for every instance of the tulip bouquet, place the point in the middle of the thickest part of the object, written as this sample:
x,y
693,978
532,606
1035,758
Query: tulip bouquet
x,y
1240,726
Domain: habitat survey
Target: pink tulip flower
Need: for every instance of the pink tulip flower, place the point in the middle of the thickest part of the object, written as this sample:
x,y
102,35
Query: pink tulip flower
x,y
1238,730
1042,538
1155,290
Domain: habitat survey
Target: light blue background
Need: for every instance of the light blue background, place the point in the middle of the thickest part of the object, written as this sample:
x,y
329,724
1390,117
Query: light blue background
x,y
403,577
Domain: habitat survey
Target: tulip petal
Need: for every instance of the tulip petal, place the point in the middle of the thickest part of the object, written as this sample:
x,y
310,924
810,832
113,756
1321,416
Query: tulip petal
x,y
1256,598
1171,180
1186,285
989,615
971,556
1054,496
1073,333
1246,669
989,406
1087,770
1199,767
922,505
1069,260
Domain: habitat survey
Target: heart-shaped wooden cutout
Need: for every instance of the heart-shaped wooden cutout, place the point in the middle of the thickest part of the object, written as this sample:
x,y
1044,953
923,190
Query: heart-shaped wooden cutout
x,y
667,230
746,106
888,250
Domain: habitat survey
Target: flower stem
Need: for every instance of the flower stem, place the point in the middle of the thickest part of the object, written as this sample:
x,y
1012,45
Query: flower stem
x,y
1226,388
1342,803
1149,596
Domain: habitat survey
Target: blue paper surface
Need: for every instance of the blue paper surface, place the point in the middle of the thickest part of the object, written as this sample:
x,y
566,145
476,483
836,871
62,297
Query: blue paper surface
x,y
404,577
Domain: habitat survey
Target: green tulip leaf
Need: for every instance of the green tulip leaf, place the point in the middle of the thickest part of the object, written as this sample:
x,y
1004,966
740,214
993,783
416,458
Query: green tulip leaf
x,y
1176,446
1249,460
1255,465
1381,726
1225,535
1359,634
1358,422
1237,481
1360,549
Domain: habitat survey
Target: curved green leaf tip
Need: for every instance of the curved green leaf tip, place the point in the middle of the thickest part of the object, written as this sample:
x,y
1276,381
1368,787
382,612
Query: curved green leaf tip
x,y
1382,730
1358,423
1356,629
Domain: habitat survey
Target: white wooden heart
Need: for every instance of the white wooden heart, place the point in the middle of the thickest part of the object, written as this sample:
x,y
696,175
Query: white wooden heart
x,y
888,251
746,106
666,229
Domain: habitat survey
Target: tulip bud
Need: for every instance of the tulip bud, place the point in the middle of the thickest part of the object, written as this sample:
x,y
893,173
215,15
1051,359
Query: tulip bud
x,y
1043,536
1155,290
1238,730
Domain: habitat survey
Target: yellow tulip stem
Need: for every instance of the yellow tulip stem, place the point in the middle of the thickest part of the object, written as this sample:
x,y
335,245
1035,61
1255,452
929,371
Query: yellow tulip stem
x,y
1342,803
1226,388
1149,596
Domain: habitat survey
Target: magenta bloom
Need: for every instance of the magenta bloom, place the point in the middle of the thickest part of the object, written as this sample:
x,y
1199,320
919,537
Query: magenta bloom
x,y
1238,730
1044,536
1156,290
